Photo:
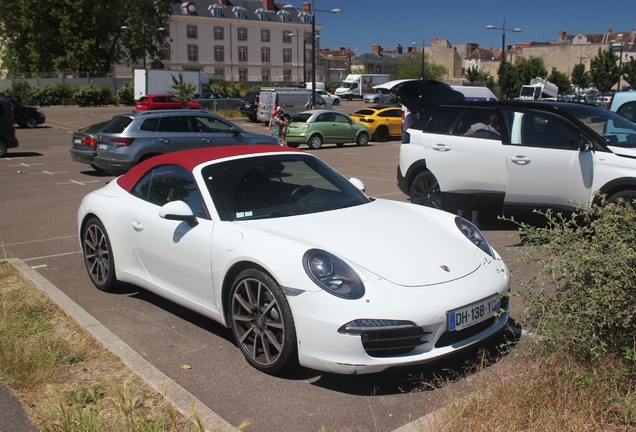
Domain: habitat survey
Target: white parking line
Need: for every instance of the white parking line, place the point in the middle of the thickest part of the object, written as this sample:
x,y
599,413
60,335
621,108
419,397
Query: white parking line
x,y
25,165
50,172
38,241
77,182
51,256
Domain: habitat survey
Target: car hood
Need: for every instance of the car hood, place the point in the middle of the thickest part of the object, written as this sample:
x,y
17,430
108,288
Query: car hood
x,y
623,151
405,244
417,94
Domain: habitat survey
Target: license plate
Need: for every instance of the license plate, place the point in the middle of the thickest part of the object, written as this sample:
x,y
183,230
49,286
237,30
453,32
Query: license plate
x,y
77,140
102,147
474,313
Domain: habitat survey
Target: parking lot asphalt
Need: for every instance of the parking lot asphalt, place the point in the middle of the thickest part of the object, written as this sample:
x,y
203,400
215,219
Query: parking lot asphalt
x,y
42,191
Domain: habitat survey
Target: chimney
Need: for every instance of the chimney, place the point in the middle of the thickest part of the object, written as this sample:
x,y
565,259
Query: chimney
x,y
377,49
267,4
561,34
223,2
398,48
307,7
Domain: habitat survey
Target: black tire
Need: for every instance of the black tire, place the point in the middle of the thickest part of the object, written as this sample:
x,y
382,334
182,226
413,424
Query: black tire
x,y
425,190
252,118
376,100
293,145
382,134
3,148
336,101
628,196
315,141
349,98
362,139
31,122
262,322
98,256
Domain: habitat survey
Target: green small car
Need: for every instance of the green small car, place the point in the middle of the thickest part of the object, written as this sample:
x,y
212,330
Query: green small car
x,y
317,127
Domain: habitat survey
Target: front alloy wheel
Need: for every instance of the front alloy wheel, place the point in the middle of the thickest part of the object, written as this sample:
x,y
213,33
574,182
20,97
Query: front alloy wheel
x,y
98,255
315,142
362,139
262,322
425,191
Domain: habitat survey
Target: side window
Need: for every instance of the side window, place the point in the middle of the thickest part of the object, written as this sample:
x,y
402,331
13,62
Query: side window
x,y
150,124
628,110
477,123
175,124
170,183
209,124
444,120
339,118
159,99
391,113
537,130
326,117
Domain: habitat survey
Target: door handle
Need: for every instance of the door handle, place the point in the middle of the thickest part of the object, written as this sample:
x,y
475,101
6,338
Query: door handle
x,y
442,147
163,140
206,140
137,225
520,160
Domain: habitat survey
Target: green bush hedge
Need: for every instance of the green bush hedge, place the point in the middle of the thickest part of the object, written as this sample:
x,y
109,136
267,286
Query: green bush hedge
x,y
67,94
584,299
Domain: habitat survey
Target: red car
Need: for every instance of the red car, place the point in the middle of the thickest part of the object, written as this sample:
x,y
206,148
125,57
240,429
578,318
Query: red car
x,y
162,101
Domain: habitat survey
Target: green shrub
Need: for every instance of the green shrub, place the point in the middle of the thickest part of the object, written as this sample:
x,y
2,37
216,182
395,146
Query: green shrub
x,y
64,93
19,91
584,298
89,96
107,97
126,94
44,96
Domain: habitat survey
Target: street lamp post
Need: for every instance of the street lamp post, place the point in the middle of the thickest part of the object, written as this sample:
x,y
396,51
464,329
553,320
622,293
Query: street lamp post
x,y
503,53
143,51
620,58
313,44
423,58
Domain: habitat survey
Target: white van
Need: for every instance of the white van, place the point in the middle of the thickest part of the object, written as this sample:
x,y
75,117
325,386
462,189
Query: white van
x,y
473,93
291,100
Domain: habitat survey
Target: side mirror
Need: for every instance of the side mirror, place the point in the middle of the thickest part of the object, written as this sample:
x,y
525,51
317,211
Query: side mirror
x,y
357,183
235,131
587,145
178,210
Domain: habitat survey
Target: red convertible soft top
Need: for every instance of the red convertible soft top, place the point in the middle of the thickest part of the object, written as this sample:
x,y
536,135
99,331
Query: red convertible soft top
x,y
189,159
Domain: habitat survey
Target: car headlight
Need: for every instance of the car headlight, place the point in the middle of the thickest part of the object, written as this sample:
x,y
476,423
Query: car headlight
x,y
473,234
332,274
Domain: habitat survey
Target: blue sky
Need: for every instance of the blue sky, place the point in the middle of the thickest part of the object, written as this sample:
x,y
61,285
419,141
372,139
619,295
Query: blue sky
x,y
391,22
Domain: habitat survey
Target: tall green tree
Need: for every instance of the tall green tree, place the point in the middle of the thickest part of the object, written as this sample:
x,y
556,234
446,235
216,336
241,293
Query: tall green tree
x,y
559,79
510,88
604,70
581,77
629,71
80,35
527,69
410,67
182,90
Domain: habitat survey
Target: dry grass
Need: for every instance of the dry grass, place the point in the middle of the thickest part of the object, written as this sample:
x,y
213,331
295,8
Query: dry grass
x,y
63,377
540,391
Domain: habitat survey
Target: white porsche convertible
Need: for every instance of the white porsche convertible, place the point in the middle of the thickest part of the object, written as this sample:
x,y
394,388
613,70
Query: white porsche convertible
x,y
296,260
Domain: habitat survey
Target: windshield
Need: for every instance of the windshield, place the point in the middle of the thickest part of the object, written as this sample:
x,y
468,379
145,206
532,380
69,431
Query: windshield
x,y
276,186
345,85
301,118
615,129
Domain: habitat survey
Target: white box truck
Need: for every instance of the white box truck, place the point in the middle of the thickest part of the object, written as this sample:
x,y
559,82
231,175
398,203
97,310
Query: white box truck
x,y
152,81
292,100
356,85
539,89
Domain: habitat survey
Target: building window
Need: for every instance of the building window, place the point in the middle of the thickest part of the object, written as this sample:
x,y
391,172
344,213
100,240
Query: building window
x,y
219,54
219,73
265,55
287,37
370,68
164,52
264,35
283,15
308,76
308,56
218,33
242,34
239,12
287,75
192,32
287,55
262,14
243,75
215,10
378,69
193,53
308,38
242,54
386,69
305,17
265,75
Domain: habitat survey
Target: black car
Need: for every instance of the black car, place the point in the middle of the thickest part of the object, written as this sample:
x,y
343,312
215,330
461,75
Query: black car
x,y
84,143
7,127
249,105
27,116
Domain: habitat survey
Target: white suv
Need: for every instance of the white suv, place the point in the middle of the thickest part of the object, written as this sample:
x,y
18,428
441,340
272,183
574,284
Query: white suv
x,y
507,154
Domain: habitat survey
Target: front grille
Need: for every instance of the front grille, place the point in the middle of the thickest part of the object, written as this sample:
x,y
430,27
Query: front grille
x,y
392,342
450,337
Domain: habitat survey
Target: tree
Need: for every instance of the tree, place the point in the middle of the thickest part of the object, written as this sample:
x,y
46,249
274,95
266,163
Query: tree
x,y
581,77
527,69
604,70
410,67
182,90
559,79
509,73
473,74
629,71
80,35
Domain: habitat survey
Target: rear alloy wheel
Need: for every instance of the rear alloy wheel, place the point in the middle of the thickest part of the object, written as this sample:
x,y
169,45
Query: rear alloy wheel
x,y
350,98
98,255
627,196
382,134
315,142
262,323
31,122
362,139
336,101
425,191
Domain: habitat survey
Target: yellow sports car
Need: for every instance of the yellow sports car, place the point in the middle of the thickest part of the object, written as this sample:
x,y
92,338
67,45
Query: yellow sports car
x,y
384,122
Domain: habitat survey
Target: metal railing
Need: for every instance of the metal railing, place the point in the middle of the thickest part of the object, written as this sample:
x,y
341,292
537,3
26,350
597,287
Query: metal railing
x,y
220,104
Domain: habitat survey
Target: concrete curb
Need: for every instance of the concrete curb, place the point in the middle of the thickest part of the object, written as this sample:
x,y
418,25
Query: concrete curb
x,y
180,398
